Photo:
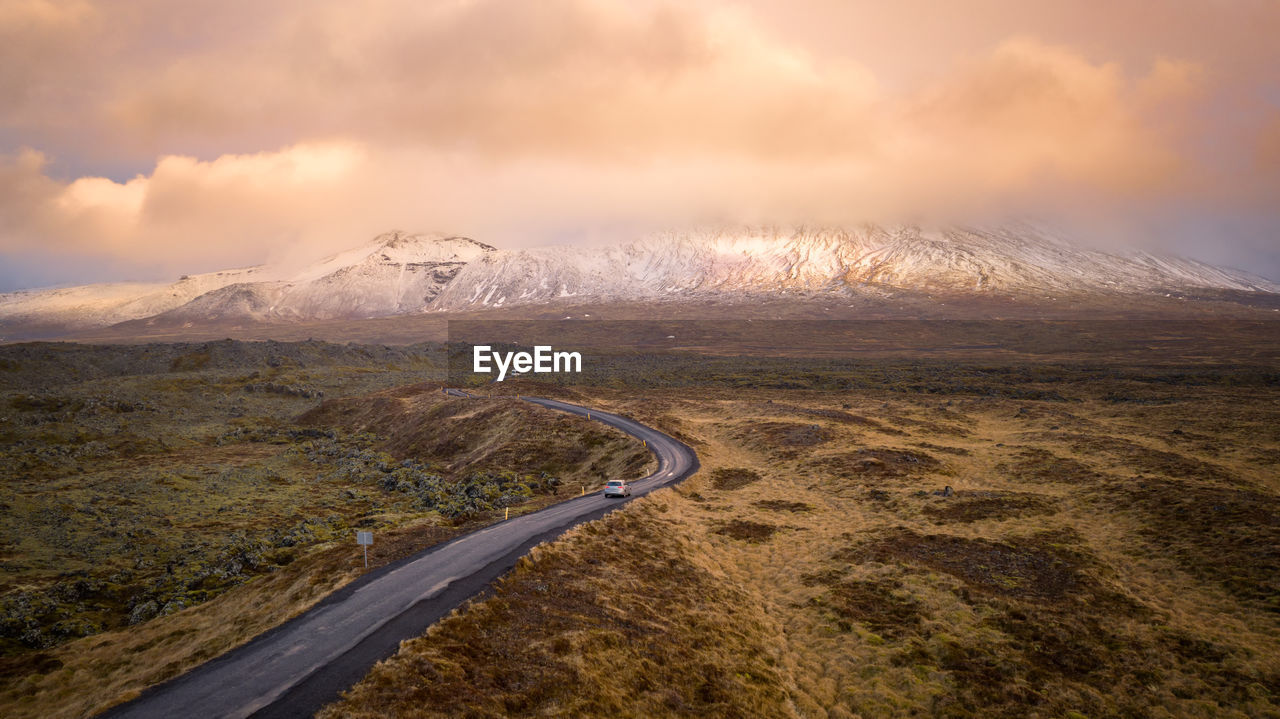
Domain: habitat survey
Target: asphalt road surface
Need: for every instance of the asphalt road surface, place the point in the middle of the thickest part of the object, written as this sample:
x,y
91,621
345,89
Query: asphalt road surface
x,y
298,667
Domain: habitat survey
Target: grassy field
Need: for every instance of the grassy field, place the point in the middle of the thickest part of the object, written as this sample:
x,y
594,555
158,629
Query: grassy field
x,y
1031,540
1027,531
154,496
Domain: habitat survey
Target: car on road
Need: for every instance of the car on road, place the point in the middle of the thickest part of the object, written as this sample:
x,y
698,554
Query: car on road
x,y
617,488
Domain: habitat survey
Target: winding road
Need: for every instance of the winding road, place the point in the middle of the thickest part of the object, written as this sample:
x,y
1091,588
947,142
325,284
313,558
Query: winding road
x,y
303,664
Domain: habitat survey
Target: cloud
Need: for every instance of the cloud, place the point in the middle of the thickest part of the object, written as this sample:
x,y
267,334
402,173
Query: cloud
x,y
1031,117
295,128
565,77
227,211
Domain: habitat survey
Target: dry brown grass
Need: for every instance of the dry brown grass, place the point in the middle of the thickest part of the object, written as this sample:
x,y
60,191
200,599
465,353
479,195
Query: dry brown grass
x,y
974,505
733,477
1228,536
468,435
88,675
747,531
866,463
1097,558
782,505
621,618
84,676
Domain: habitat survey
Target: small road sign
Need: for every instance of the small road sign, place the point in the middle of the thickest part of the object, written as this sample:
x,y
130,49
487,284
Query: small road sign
x,y
364,539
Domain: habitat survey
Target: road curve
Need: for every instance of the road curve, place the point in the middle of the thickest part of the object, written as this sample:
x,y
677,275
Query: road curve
x,y
303,664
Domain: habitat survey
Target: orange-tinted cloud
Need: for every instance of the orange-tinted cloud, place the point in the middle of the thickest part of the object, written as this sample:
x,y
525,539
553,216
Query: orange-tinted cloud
x,y
319,123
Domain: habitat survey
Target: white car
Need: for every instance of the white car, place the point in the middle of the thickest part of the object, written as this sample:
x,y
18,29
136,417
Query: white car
x,y
617,488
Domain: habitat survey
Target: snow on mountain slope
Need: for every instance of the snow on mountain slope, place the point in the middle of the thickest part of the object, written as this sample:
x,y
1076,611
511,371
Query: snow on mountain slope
x,y
1017,259
105,304
399,273
394,273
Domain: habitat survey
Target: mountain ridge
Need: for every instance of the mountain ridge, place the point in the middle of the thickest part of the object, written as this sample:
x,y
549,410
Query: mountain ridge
x,y
826,260
398,273
334,287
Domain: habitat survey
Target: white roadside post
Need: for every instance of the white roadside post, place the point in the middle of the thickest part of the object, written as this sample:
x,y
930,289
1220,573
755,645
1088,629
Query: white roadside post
x,y
364,539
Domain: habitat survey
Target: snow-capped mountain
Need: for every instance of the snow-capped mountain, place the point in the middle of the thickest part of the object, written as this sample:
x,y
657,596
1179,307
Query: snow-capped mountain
x,y
395,273
399,273
1018,259
109,303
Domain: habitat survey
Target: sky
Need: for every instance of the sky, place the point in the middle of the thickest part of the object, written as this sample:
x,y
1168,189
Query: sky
x,y
143,139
